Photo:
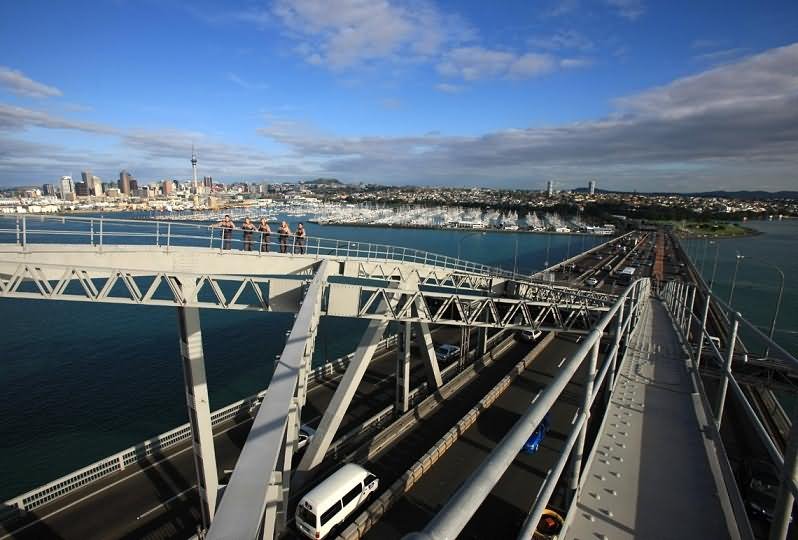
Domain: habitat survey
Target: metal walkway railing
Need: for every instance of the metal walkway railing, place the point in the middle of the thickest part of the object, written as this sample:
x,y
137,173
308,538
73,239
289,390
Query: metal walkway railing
x,y
102,231
681,301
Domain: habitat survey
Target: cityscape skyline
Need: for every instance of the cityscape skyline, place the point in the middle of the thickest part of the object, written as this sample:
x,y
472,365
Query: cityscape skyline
x,y
635,95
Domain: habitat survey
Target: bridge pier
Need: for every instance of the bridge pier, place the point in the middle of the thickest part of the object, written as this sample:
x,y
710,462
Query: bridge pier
x,y
199,412
403,368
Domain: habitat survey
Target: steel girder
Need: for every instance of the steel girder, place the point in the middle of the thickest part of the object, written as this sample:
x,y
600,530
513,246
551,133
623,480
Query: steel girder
x,y
121,286
458,299
558,312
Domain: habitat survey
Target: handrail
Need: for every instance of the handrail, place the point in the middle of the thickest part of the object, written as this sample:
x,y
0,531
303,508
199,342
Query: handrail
x,y
24,229
459,509
690,325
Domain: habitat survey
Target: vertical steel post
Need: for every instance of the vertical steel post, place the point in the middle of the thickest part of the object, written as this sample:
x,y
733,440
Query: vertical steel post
x,y
579,449
19,238
785,501
403,368
24,231
727,367
199,412
168,236
613,360
91,227
688,321
703,331
101,233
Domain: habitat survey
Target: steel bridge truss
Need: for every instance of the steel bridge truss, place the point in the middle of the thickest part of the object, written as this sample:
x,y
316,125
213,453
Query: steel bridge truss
x,y
562,312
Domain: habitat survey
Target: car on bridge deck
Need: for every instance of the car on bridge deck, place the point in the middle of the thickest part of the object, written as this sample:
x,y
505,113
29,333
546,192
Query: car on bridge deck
x,y
533,443
591,282
326,507
304,436
447,352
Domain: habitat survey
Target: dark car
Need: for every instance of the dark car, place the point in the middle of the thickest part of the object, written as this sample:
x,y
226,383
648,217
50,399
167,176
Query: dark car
x,y
759,487
533,443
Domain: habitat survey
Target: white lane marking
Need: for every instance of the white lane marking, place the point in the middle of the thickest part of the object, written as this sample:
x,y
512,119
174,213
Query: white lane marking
x,y
167,501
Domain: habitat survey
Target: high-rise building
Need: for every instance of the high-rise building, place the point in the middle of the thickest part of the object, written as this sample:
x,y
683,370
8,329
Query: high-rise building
x,y
66,185
96,186
168,187
207,182
124,182
48,189
134,184
550,188
591,187
82,189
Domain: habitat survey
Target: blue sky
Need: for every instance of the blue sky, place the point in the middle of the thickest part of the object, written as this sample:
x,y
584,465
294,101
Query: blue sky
x,y
645,95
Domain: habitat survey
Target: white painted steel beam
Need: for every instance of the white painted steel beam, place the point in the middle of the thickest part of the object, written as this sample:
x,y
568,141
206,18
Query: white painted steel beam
x,y
403,343
427,350
199,412
244,506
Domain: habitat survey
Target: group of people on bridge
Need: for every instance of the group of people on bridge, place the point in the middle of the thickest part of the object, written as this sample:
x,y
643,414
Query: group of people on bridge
x,y
249,229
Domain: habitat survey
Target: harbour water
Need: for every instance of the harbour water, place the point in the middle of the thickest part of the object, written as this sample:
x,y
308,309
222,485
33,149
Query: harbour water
x,y
82,381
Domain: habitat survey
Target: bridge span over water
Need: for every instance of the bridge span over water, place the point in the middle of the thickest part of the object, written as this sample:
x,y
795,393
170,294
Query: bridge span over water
x,y
191,267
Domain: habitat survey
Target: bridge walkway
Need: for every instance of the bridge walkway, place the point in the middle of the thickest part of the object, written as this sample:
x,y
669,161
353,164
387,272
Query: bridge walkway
x,y
651,476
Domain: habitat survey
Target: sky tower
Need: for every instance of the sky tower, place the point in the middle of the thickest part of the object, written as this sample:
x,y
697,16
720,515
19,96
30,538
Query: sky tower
x,y
194,168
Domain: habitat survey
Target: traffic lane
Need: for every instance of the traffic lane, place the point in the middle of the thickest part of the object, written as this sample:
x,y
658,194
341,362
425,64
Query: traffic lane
x,y
512,497
143,504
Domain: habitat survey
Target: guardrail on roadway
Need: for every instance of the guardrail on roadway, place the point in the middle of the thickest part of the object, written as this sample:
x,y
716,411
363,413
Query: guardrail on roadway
x,y
156,445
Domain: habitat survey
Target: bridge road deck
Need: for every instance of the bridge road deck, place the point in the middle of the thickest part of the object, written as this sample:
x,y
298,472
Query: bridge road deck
x,y
651,476
156,498
503,513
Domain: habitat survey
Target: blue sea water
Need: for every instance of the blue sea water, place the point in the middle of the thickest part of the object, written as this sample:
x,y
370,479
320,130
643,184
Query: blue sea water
x,y
82,381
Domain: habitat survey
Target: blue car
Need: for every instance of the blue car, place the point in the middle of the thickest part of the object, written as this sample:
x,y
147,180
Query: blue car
x,y
533,443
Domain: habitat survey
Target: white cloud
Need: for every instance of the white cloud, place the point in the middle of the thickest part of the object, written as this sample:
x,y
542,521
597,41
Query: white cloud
x,y
447,88
344,33
17,82
570,63
564,39
708,127
628,9
247,85
473,63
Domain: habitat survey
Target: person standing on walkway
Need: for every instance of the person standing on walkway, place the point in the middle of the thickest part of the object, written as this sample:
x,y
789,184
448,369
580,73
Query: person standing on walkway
x,y
249,228
227,227
284,233
264,236
301,237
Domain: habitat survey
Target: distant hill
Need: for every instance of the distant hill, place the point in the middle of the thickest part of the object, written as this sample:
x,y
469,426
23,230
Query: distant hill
x,y
766,195
324,181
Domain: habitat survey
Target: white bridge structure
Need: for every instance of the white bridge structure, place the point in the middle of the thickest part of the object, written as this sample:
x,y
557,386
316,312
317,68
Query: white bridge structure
x,y
192,267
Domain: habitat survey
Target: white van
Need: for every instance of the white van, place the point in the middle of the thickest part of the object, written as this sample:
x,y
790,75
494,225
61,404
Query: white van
x,y
332,501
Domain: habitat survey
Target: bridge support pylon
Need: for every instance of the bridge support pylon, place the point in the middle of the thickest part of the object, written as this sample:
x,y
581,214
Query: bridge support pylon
x,y
199,412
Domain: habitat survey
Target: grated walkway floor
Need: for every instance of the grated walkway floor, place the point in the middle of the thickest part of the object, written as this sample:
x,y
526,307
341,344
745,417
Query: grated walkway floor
x,y
650,476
